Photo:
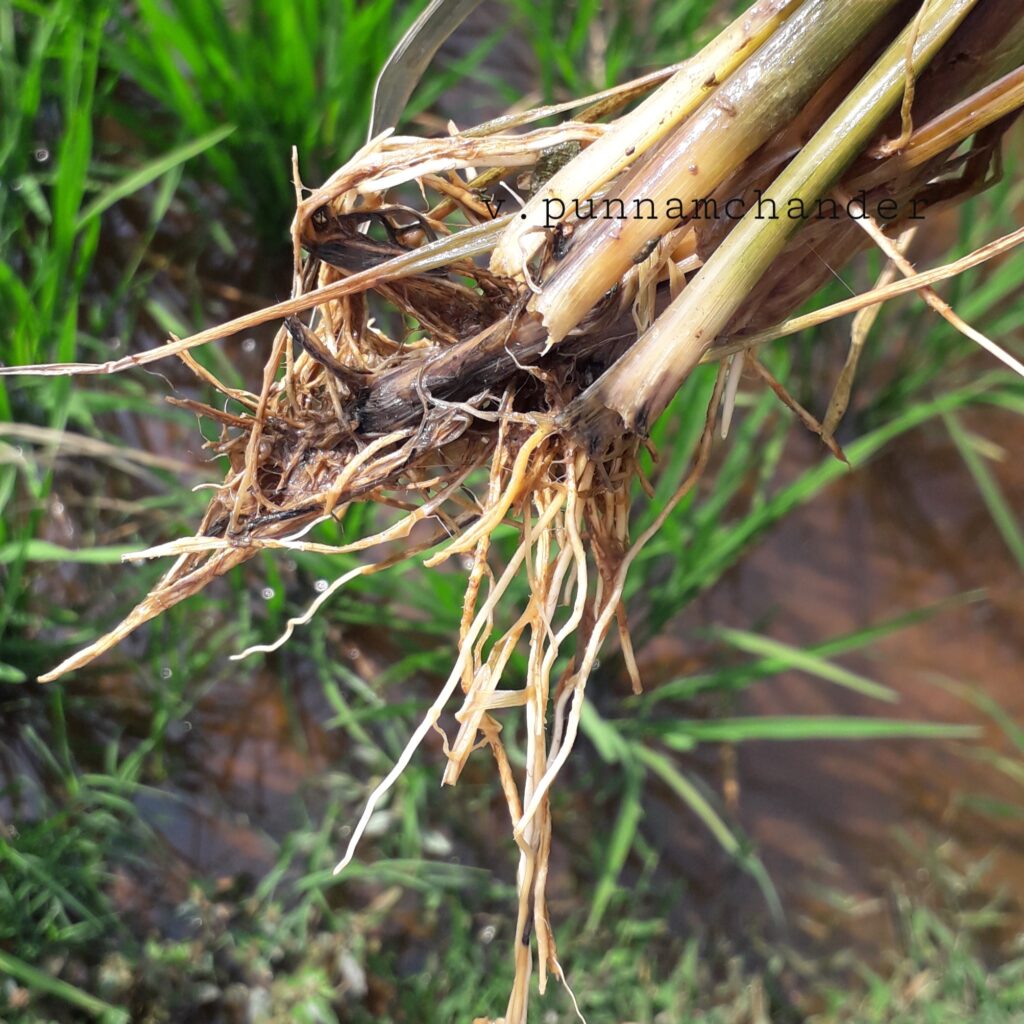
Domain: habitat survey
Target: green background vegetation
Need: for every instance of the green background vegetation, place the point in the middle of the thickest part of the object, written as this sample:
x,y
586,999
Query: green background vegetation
x,y
144,152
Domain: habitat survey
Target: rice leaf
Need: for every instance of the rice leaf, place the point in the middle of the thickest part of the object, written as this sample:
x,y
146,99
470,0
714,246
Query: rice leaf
x,y
407,63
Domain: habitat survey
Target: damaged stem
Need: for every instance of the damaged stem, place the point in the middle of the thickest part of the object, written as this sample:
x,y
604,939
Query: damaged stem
x,y
637,389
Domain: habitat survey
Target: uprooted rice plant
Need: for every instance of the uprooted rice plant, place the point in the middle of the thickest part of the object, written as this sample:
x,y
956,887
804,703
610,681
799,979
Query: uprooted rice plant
x,y
483,326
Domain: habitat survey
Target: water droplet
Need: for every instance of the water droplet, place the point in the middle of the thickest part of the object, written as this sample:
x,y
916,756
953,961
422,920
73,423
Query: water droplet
x,y
166,672
320,586
186,726
267,593
42,154
249,345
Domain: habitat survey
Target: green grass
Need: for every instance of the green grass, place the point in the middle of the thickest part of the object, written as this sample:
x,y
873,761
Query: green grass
x,y
176,120
281,74
314,964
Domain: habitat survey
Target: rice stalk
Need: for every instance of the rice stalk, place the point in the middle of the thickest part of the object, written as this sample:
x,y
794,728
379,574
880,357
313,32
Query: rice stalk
x,y
667,353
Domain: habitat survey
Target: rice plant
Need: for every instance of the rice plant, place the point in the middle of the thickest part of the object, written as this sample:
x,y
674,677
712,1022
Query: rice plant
x,y
507,415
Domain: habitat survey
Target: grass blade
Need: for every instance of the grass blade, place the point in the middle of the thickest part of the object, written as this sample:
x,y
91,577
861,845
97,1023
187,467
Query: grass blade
x,y
149,172
791,657
46,551
806,727
617,846
988,487
698,803
51,986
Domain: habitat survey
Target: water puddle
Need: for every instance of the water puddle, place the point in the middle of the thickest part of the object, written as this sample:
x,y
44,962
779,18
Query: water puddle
x,y
902,533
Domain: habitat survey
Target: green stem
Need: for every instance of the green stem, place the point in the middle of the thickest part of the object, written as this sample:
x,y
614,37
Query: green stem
x,y
637,389
761,97
637,132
